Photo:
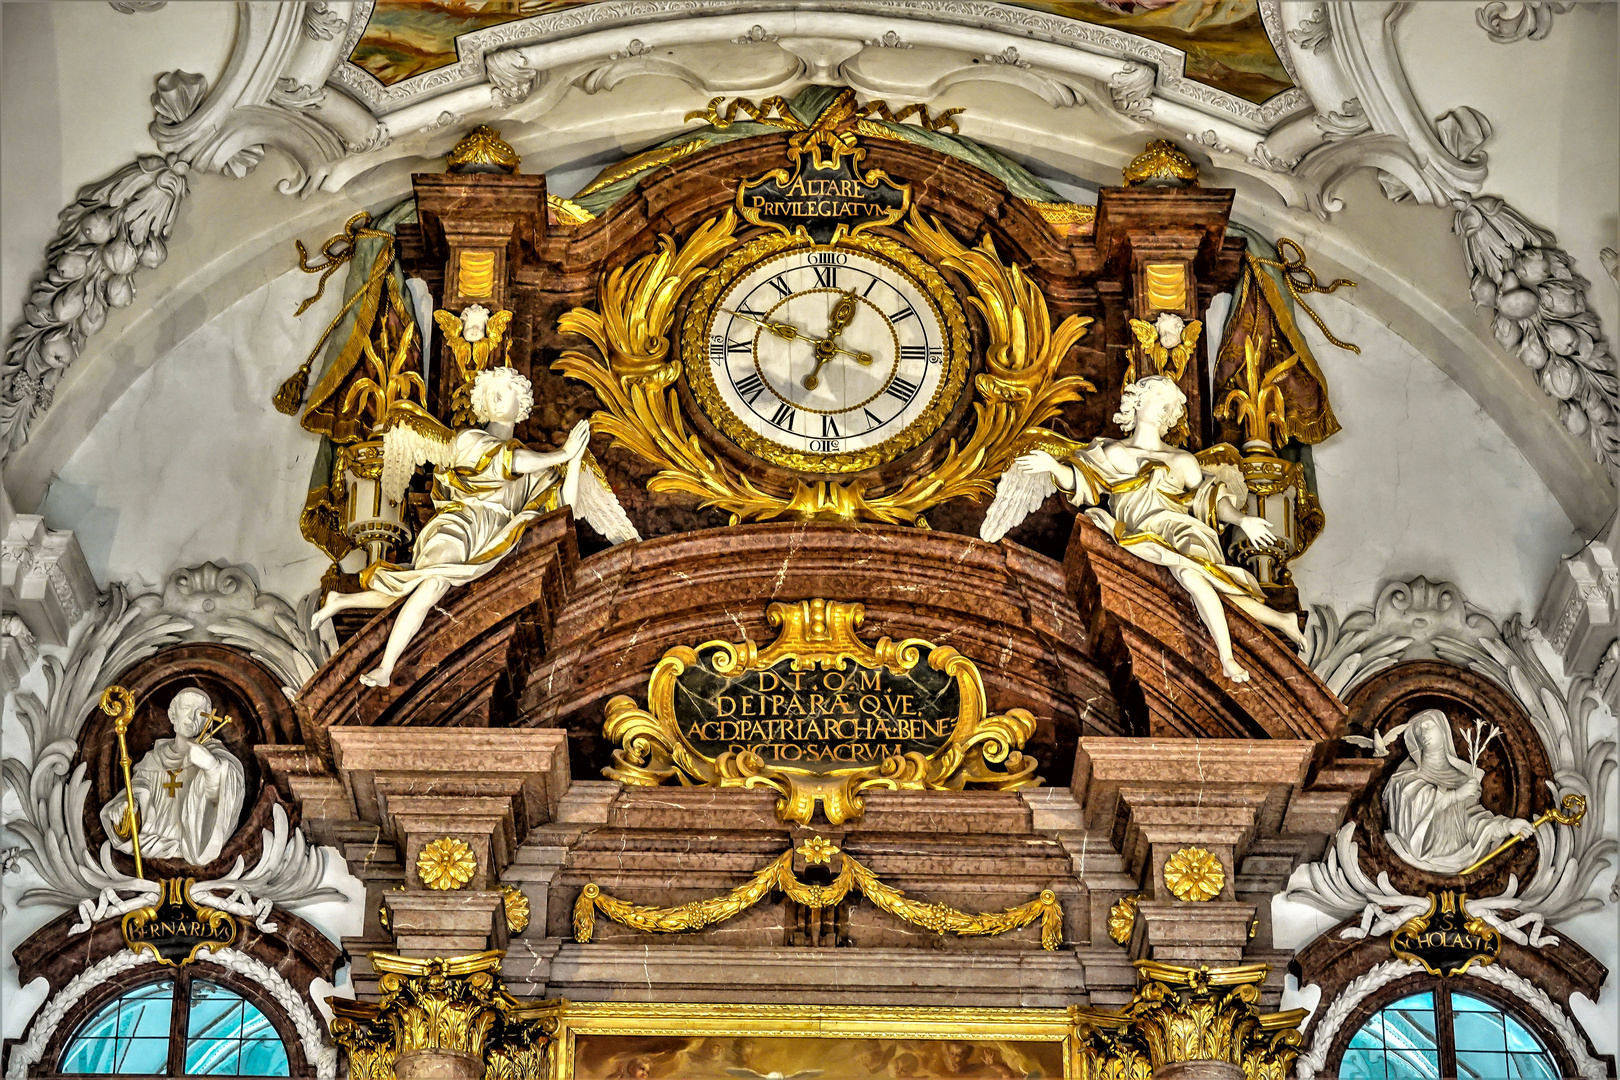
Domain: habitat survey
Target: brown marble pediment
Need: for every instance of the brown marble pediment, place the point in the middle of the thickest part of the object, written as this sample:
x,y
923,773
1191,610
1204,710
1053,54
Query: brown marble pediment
x,y
1102,644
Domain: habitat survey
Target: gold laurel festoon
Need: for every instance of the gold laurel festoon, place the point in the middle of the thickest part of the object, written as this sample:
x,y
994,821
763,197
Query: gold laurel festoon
x,y
778,876
635,379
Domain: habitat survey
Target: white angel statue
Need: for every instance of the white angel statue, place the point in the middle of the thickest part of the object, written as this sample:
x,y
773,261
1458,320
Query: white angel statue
x,y
487,488
1163,503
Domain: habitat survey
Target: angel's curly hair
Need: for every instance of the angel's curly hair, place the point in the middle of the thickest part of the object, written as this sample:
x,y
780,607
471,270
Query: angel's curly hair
x,y
486,380
1131,399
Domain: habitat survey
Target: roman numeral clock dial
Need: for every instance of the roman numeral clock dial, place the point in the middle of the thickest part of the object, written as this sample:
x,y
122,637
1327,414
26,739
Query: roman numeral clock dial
x,y
826,358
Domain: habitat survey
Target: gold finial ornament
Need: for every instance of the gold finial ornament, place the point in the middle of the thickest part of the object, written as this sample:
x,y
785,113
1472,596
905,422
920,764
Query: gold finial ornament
x,y
1122,919
446,863
483,150
517,909
1194,875
1162,164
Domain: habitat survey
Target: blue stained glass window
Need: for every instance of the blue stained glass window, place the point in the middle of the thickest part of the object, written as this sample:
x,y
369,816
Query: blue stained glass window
x,y
127,1036
1397,1041
1492,1045
228,1036
1403,1040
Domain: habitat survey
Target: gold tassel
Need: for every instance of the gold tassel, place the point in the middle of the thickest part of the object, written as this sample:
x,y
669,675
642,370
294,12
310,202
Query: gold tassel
x,y
291,394
337,251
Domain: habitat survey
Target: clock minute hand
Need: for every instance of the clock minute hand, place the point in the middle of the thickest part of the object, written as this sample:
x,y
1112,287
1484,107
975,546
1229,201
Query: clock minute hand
x,y
781,330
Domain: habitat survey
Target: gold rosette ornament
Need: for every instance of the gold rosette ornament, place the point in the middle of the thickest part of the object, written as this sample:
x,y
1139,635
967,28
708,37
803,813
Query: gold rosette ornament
x,y
1194,875
446,863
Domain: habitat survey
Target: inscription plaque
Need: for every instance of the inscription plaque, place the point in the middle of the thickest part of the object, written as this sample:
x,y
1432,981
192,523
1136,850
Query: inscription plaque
x,y
820,197
818,716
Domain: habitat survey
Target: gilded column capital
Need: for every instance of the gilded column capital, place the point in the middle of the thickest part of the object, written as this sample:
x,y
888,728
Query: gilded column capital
x,y
1182,1014
451,1006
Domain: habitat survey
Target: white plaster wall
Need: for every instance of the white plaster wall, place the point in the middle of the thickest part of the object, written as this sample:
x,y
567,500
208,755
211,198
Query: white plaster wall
x,y
1420,481
193,462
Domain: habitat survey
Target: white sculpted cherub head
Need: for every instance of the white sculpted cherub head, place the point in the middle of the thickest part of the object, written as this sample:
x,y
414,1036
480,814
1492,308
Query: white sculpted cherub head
x,y
186,712
1170,327
1153,396
501,395
474,319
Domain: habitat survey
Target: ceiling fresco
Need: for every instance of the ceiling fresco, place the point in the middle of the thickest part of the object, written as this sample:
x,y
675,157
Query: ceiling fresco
x,y
1225,41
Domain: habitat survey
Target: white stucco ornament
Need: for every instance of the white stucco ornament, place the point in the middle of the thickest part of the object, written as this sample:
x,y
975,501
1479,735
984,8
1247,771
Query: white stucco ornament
x,y
188,790
1170,327
1433,816
474,319
487,487
1156,491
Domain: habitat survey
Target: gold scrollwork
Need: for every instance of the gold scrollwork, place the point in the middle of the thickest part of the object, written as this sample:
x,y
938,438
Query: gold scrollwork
x,y
1194,875
778,877
635,382
516,907
1181,1014
653,749
1163,160
483,146
1122,919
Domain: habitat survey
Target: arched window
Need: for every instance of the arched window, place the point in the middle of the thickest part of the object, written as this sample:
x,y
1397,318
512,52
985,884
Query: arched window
x,y
188,1023
1445,1032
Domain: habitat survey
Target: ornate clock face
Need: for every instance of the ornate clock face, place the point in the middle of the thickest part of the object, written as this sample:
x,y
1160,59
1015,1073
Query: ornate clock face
x,y
826,359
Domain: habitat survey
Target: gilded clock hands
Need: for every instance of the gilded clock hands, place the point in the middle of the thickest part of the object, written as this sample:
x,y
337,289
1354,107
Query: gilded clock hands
x,y
843,313
825,348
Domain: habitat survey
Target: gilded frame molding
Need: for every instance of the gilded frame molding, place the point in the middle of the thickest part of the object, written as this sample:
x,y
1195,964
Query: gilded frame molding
x,y
576,1018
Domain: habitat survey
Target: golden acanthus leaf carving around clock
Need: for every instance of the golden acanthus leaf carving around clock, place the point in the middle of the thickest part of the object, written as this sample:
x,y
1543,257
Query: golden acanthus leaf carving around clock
x,y
635,381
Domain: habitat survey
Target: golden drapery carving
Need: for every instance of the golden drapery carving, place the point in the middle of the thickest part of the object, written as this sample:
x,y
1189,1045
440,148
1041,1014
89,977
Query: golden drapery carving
x,y
778,876
1264,346
1183,1014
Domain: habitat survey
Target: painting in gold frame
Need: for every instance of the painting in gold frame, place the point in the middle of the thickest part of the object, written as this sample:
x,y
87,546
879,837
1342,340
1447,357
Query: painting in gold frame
x,y
655,1041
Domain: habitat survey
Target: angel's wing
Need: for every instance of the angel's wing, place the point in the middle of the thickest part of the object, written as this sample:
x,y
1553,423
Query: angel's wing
x,y
1018,495
495,329
411,435
596,504
448,323
1145,334
1189,334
